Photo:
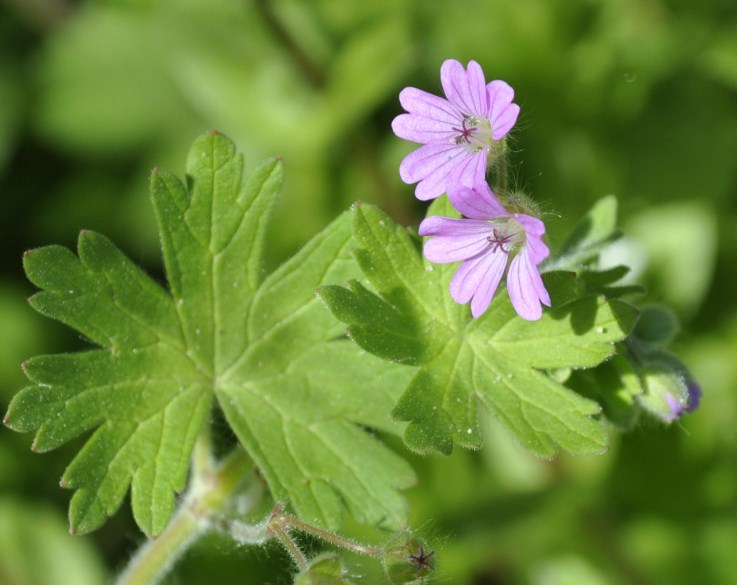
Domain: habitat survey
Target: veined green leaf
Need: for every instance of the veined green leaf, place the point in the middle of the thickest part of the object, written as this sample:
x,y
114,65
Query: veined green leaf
x,y
498,360
297,396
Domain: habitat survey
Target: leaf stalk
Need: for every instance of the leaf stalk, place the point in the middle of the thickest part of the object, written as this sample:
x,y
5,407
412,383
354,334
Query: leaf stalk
x,y
209,493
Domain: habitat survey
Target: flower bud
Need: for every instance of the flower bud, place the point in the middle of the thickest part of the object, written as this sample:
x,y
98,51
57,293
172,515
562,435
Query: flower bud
x,y
408,559
669,389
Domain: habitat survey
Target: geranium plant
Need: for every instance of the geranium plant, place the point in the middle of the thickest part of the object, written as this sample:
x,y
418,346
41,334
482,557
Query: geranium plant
x,y
363,334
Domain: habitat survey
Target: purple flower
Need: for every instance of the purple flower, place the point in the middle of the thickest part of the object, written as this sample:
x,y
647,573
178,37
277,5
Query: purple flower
x,y
485,241
677,408
460,134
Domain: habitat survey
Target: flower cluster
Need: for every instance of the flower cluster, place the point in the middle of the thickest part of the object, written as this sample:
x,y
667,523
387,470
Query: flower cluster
x,y
462,136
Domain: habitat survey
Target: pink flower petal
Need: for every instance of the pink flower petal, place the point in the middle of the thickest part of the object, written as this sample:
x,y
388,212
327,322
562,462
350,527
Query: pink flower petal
x,y
537,251
436,225
493,270
466,280
478,277
427,105
430,165
504,122
429,117
500,95
445,249
502,112
421,129
534,228
469,171
465,89
526,288
478,202
430,188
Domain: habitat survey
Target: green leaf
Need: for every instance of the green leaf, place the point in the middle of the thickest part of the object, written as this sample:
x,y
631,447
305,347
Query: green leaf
x,y
387,332
305,391
143,393
596,230
498,360
616,386
604,282
298,396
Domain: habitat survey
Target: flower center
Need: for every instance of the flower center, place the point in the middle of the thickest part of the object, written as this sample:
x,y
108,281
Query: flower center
x,y
474,133
505,235
498,241
464,133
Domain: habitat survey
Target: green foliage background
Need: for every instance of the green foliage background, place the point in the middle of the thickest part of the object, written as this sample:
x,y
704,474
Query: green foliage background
x,y
632,97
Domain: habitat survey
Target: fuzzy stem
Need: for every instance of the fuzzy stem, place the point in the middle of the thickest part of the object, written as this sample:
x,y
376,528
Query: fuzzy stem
x,y
331,537
154,559
208,493
294,551
501,185
203,463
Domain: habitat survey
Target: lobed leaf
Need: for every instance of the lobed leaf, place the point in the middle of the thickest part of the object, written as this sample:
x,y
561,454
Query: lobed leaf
x,y
386,332
102,294
298,398
498,360
293,399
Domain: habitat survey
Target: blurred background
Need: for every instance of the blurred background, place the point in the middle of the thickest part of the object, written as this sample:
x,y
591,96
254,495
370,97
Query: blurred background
x,y
636,98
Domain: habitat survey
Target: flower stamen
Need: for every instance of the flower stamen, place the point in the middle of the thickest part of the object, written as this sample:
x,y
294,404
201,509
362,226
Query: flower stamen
x,y
423,559
498,241
465,133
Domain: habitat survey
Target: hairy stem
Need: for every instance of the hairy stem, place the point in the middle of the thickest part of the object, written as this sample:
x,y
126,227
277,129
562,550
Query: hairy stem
x,y
330,537
209,492
502,177
154,559
292,547
203,463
